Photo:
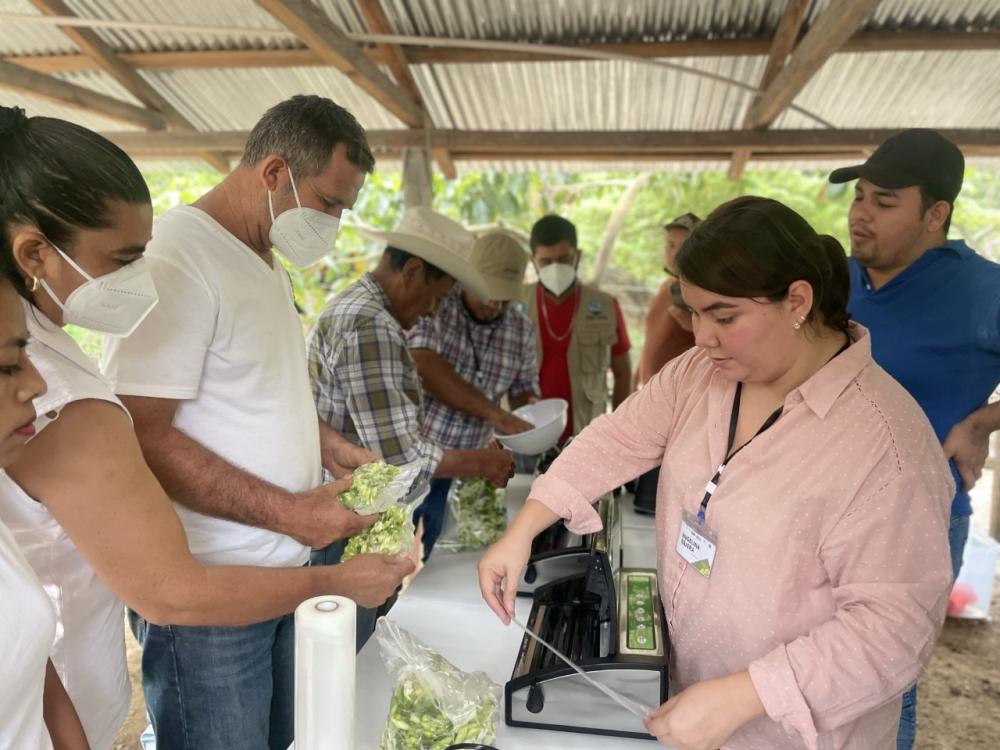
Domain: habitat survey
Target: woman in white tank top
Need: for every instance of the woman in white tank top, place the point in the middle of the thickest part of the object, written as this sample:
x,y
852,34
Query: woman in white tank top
x,y
96,525
27,622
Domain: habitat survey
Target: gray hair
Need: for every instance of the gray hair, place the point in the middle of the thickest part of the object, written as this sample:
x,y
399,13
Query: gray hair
x,y
304,130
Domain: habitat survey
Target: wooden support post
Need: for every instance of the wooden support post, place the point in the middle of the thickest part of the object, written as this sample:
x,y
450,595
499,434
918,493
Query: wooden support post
x,y
418,189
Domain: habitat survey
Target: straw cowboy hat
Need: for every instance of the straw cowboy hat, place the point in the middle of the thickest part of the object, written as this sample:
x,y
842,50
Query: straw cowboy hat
x,y
437,240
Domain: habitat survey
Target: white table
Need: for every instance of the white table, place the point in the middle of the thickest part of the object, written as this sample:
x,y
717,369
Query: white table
x,y
444,609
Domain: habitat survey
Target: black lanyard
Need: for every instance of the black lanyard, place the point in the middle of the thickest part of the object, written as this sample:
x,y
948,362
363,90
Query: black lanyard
x,y
734,419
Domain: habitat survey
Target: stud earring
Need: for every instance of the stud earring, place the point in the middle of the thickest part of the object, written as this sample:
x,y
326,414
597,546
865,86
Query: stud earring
x,y
798,324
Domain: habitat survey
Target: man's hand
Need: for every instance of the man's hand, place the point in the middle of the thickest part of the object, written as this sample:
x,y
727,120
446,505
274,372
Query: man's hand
x,y
968,444
317,518
339,455
496,465
507,424
704,716
374,578
347,457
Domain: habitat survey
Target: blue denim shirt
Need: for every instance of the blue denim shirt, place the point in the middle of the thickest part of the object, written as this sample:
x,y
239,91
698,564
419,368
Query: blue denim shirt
x,y
936,329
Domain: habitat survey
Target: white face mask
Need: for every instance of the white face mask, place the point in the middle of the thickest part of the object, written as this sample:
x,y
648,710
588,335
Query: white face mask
x,y
557,277
303,235
115,303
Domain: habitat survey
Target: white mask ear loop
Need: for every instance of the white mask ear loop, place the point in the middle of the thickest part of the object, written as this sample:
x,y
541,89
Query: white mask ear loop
x,y
295,192
69,260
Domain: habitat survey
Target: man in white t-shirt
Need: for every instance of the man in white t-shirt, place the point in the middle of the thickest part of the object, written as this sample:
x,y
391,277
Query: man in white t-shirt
x,y
217,384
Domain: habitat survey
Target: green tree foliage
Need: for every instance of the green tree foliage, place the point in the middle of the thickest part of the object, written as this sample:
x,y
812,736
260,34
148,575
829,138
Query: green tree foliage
x,y
517,199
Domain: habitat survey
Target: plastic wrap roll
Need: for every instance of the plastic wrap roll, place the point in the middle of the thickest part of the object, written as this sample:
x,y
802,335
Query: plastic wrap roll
x,y
324,673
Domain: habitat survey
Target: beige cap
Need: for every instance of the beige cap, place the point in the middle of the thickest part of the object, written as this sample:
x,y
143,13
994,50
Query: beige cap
x,y
500,259
439,241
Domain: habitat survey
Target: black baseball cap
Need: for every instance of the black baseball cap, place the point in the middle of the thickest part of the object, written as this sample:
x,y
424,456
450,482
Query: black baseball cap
x,y
686,221
919,156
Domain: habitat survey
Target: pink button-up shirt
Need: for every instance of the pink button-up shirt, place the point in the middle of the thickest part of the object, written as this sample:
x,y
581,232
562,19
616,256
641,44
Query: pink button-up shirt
x,y
832,573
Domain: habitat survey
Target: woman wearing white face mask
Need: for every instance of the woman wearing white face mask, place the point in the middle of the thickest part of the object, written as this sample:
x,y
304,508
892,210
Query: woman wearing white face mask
x,y
88,514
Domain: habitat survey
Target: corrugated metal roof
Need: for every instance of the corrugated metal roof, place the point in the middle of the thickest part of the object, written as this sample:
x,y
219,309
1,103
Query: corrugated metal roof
x,y
887,90
944,89
234,99
598,95
29,38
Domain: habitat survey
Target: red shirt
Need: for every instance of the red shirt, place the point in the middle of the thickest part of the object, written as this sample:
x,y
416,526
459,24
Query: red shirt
x,y
554,376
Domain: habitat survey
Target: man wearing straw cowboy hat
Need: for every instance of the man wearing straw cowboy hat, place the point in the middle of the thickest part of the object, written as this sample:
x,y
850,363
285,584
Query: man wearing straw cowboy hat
x,y
470,355
365,383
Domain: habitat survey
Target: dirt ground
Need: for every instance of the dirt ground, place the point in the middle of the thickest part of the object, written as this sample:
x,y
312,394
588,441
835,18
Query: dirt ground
x,y
959,695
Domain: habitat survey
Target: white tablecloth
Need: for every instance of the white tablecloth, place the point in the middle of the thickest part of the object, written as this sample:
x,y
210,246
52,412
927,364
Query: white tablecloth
x,y
444,609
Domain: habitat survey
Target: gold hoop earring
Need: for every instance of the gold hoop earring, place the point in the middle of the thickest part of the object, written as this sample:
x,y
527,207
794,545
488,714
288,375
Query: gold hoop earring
x,y
34,284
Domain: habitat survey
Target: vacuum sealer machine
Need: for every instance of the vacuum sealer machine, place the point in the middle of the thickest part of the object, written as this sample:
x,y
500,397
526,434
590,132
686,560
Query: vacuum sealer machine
x,y
557,552
608,620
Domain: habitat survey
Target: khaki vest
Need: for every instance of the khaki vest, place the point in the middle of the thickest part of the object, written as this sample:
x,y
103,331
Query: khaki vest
x,y
595,331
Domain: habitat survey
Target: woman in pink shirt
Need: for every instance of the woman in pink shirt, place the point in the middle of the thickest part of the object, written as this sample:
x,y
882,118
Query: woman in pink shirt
x,y
803,503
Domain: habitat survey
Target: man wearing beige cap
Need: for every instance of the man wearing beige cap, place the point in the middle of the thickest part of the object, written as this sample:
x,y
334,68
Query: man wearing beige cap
x,y
475,351
365,383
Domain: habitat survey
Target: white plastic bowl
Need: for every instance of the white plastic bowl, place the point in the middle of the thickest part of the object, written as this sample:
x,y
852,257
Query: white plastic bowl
x,y
549,418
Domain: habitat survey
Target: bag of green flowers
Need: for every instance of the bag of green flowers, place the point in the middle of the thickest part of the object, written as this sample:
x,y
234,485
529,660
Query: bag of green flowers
x,y
384,489
434,704
377,486
477,516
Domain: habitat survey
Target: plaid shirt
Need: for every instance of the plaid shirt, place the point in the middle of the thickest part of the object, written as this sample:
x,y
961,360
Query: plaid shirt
x,y
364,381
498,358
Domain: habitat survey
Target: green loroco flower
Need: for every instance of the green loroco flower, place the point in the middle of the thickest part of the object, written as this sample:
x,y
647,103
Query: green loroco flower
x,y
480,514
368,481
391,534
417,722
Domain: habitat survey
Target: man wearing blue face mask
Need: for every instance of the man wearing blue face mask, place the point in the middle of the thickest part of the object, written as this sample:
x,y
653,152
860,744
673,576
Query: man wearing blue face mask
x,y
579,330
217,384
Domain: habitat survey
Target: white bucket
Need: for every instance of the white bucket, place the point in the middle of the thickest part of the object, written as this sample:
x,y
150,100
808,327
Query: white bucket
x,y
979,564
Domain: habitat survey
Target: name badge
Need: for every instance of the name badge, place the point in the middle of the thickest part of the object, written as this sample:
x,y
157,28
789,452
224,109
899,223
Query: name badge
x,y
697,544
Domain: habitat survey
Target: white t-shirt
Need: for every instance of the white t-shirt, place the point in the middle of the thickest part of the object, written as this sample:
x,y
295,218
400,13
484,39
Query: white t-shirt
x,y
89,649
27,627
225,340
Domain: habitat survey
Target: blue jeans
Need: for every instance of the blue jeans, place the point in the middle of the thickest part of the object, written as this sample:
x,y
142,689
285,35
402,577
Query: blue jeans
x,y
215,687
432,511
365,624
958,534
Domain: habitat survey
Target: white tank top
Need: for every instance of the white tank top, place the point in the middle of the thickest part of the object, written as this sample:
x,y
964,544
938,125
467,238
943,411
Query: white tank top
x,y
27,627
89,650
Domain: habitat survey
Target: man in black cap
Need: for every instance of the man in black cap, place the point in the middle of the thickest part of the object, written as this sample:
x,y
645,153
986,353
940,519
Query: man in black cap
x,y
932,307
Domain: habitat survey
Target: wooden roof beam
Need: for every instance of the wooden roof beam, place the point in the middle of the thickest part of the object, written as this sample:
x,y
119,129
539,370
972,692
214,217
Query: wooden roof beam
x,y
377,23
863,41
782,45
310,24
78,97
834,27
470,144
107,60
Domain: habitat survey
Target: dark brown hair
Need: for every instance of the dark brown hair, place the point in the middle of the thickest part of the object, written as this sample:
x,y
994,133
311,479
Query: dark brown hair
x,y
61,178
757,247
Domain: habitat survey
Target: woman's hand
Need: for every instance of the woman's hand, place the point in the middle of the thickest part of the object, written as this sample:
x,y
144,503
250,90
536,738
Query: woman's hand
x,y
706,715
500,570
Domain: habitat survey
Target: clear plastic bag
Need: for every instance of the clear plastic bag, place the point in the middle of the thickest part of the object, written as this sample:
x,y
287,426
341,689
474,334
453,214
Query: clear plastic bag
x,y
479,515
378,486
434,704
391,534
